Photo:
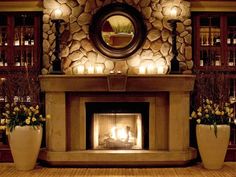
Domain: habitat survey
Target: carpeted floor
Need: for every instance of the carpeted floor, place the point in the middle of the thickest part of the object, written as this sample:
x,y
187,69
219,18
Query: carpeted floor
x,y
229,170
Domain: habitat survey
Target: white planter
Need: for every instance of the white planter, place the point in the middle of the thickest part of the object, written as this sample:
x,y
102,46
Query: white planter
x,y
25,144
212,149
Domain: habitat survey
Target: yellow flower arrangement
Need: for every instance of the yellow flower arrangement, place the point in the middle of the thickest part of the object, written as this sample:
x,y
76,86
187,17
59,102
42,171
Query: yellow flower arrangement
x,y
19,114
210,113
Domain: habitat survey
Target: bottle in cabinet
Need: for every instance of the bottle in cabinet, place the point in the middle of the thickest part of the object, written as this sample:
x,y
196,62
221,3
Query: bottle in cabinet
x,y
17,59
229,38
29,58
217,40
3,58
204,58
231,58
234,39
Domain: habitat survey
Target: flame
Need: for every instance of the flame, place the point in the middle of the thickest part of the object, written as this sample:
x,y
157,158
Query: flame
x,y
119,133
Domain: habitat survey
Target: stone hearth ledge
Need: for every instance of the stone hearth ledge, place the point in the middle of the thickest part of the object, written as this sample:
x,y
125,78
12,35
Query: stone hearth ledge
x,y
168,96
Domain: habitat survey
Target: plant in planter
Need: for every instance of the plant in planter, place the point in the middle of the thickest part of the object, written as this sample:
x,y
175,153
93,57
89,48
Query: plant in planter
x,y
23,124
213,131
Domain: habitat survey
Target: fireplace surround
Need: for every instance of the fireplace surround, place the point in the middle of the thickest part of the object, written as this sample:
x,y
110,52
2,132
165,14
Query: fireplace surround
x,y
168,133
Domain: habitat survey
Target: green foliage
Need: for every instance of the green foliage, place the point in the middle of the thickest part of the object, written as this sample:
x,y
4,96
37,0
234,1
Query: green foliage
x,y
128,28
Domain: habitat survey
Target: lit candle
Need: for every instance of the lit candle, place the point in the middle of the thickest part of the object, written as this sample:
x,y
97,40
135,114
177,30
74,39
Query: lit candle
x,y
80,69
57,14
160,69
118,72
112,72
99,69
150,69
173,12
90,69
142,70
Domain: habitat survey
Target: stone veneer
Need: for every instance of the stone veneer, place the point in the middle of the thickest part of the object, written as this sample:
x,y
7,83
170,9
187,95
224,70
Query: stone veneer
x,y
77,49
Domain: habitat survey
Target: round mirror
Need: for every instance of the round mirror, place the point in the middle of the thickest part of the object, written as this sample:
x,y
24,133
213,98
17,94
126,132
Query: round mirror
x,y
117,30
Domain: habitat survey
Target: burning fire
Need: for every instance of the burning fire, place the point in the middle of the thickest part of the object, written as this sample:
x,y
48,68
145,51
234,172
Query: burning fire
x,y
121,133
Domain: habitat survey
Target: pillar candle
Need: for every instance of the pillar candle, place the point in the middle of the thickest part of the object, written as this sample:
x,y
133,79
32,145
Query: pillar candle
x,y
142,70
80,69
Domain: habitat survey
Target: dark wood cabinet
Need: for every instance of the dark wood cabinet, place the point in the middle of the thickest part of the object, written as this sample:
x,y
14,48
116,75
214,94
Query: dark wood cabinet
x,y
214,40
19,41
20,53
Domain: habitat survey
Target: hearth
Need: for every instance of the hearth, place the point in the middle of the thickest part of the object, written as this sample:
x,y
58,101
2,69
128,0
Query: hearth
x,y
117,125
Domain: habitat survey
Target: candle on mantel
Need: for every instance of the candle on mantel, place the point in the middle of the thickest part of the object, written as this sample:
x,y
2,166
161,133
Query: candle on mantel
x,y
90,69
80,69
112,72
142,70
99,69
150,69
160,69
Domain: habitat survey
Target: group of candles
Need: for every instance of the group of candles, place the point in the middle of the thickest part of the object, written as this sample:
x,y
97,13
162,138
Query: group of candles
x,y
81,69
151,69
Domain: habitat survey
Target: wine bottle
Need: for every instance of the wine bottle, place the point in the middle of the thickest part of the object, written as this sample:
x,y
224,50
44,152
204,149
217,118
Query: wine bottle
x,y
29,58
16,39
1,59
234,39
229,39
230,58
201,58
217,59
17,60
1,39
217,40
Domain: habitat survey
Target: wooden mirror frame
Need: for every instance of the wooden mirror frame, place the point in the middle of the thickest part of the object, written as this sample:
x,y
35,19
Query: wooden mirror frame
x,y
95,30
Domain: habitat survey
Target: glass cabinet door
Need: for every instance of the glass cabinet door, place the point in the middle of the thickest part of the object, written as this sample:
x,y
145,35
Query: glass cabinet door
x,y
3,40
231,41
210,41
232,98
23,40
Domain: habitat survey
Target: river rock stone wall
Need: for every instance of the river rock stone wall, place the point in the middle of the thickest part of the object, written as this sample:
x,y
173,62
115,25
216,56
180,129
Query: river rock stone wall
x,y
77,49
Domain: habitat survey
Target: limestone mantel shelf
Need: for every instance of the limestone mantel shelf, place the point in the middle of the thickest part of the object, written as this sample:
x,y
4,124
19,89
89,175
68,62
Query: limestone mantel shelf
x,y
168,97
106,83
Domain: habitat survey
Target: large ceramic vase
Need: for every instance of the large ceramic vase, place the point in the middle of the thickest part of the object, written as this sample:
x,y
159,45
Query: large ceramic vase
x,y
212,148
25,144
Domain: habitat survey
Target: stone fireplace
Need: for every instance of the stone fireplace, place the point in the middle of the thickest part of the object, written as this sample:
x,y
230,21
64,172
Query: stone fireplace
x,y
140,120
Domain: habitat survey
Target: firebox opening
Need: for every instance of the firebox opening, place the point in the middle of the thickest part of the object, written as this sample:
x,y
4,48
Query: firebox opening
x,y
117,125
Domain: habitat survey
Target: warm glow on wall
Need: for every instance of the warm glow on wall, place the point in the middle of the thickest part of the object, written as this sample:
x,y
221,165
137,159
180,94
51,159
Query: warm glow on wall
x,y
150,69
162,67
99,69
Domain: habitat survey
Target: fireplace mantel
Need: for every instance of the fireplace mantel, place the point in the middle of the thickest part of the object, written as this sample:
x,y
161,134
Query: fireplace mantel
x,y
102,83
168,96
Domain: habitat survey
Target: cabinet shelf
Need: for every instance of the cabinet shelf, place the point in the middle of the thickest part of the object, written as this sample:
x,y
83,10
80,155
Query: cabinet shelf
x,y
206,26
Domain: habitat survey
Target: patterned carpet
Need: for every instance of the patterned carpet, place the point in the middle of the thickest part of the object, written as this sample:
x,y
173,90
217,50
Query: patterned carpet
x,y
229,170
